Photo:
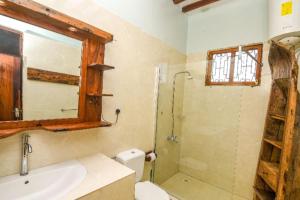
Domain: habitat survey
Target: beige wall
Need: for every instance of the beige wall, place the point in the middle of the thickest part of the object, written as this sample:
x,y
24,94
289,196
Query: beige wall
x,y
135,56
222,128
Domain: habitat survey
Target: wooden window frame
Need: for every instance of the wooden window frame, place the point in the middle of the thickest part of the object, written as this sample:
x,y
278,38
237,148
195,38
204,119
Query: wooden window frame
x,y
233,51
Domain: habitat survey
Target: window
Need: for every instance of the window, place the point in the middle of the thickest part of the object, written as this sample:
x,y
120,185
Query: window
x,y
230,67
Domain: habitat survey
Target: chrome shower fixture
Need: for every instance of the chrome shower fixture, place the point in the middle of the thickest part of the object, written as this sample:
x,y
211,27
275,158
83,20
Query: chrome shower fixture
x,y
241,50
183,72
173,137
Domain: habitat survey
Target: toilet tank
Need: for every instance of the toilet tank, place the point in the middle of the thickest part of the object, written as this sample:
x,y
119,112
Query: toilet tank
x,y
133,159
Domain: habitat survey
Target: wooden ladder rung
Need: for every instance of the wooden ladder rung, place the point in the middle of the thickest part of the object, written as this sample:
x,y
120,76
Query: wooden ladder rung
x,y
264,195
274,142
278,117
101,67
99,95
269,172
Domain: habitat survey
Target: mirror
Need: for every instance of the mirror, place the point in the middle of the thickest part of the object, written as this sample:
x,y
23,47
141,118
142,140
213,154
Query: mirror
x,y
39,73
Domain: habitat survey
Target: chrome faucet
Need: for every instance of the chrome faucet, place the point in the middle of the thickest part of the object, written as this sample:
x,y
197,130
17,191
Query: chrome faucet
x,y
26,149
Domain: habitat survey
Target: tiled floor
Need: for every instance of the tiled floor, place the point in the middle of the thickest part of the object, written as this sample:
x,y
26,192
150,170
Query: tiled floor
x,y
185,187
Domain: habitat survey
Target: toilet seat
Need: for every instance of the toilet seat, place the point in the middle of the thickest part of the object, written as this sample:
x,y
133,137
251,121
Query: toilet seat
x,y
148,191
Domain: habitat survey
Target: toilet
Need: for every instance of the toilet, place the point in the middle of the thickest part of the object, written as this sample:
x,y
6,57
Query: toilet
x,y
134,159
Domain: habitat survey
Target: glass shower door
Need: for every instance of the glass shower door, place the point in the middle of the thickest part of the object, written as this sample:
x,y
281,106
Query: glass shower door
x,y
200,163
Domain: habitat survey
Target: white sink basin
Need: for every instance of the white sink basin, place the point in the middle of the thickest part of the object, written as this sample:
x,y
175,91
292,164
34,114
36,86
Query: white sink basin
x,y
47,183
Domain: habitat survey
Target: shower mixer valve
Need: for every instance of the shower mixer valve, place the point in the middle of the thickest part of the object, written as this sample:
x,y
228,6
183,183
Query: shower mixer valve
x,y
172,138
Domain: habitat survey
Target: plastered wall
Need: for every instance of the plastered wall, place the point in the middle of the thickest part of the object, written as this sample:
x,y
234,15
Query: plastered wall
x,y
135,55
222,129
159,18
231,23
222,126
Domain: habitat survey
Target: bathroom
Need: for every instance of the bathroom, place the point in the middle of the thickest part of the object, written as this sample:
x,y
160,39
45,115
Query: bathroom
x,y
194,140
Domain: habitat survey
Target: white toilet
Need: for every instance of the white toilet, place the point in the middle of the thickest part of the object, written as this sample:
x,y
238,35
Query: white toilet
x,y
134,159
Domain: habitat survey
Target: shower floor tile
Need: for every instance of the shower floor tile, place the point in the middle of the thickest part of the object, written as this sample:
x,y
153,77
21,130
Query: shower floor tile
x,y
185,187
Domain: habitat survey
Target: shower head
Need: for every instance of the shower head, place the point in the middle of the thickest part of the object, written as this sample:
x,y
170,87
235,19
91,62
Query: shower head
x,y
189,77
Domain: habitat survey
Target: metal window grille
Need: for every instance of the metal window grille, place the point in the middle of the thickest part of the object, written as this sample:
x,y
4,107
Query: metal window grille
x,y
221,67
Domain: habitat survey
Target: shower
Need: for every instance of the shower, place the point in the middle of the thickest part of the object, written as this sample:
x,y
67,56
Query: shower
x,y
173,137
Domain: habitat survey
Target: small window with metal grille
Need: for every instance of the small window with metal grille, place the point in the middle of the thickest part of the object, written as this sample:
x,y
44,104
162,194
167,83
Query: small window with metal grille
x,y
235,66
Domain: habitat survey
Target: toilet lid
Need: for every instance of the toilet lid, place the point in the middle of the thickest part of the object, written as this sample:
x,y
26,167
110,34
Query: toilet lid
x,y
148,191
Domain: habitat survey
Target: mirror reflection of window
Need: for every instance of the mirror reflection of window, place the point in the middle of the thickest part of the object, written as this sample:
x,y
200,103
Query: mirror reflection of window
x,y
39,66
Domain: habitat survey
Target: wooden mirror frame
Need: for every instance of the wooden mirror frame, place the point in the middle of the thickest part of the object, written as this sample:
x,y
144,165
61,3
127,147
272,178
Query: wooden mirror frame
x,y
92,67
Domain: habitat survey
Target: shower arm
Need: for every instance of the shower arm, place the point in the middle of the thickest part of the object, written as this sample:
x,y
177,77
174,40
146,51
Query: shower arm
x,y
241,48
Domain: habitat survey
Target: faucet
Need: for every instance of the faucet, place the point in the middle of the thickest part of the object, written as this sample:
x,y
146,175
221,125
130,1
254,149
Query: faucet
x,y
26,149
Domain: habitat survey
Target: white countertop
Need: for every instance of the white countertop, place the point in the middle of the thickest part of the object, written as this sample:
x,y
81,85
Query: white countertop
x,y
101,171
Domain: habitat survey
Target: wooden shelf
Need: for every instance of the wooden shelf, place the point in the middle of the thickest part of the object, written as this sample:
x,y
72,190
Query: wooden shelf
x,y
78,126
278,117
57,128
99,95
264,195
9,132
101,67
274,142
269,173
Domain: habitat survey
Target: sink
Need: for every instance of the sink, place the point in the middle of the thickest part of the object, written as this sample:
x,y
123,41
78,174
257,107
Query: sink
x,y
47,183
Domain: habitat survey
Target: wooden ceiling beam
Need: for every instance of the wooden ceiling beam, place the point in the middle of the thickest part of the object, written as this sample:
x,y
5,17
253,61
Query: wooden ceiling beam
x,y
178,1
197,4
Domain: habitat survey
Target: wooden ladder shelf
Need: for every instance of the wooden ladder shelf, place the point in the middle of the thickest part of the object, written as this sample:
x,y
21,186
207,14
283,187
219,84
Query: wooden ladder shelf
x,y
275,176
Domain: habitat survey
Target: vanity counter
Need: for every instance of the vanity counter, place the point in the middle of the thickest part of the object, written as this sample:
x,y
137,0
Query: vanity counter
x,y
105,179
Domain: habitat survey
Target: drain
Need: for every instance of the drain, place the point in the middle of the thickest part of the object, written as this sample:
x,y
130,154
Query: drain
x,y
186,180
26,182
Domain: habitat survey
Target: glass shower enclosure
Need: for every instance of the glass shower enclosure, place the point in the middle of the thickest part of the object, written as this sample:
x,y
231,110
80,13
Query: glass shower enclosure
x,y
198,135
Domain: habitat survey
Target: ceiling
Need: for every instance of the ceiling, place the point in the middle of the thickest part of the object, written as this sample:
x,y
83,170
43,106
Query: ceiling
x,y
190,5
